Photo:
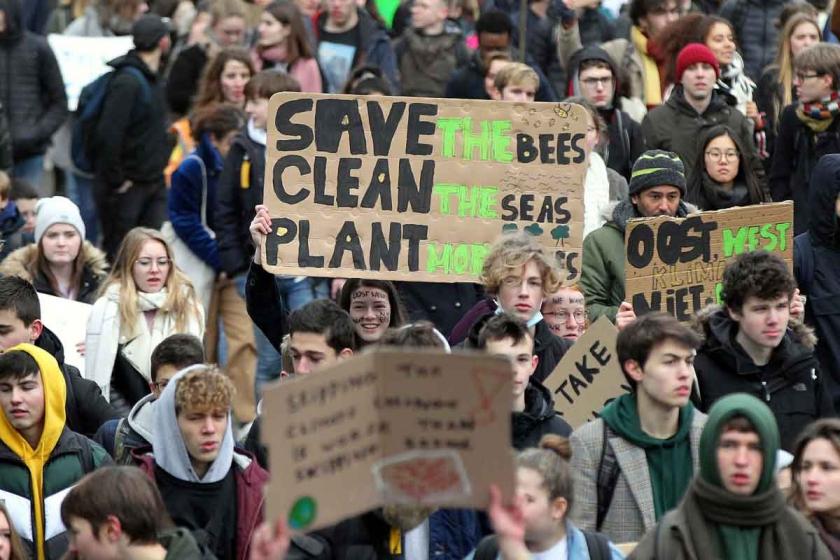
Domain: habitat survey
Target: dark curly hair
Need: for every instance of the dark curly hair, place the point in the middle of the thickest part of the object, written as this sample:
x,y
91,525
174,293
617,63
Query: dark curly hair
x,y
758,274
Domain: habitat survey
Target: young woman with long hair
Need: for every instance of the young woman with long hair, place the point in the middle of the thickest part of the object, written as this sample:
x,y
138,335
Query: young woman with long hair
x,y
145,299
282,44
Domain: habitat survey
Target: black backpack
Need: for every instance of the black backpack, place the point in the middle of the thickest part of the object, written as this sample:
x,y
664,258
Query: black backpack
x,y
597,544
608,471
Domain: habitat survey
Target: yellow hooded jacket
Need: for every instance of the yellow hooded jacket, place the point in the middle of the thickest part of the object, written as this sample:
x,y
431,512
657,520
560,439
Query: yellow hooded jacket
x,y
55,393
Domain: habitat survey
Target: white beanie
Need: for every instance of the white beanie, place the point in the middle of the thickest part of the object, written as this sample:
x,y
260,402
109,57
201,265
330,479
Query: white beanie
x,y
57,210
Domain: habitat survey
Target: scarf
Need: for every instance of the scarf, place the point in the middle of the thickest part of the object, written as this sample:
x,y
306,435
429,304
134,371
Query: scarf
x,y
828,536
718,198
650,70
669,460
819,115
106,333
755,527
274,56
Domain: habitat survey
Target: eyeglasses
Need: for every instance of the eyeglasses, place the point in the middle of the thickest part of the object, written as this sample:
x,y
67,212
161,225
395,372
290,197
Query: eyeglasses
x,y
802,77
563,316
145,262
594,82
728,155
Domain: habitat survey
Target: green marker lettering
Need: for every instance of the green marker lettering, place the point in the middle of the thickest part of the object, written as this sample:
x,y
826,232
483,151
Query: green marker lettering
x,y
444,191
472,140
435,261
501,141
449,126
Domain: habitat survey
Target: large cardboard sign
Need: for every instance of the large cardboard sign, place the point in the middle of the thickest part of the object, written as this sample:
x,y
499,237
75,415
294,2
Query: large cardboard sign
x,y
589,375
385,428
68,320
83,59
676,265
416,189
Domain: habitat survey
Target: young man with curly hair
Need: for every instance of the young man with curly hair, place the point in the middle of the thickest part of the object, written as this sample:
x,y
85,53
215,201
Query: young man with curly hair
x,y
751,346
208,487
517,276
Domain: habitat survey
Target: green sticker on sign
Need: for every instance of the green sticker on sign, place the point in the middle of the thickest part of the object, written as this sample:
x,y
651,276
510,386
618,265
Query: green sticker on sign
x,y
303,513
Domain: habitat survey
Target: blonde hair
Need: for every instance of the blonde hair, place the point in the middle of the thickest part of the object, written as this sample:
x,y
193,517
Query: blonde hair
x,y
203,388
516,74
5,185
784,61
181,299
509,253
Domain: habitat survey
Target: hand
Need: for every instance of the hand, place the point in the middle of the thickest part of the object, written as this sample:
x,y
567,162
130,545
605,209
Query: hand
x,y
335,287
508,523
268,546
625,315
797,306
259,228
752,111
80,348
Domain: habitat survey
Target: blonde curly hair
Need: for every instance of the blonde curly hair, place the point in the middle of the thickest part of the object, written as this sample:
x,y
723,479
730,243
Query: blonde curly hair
x,y
509,254
204,388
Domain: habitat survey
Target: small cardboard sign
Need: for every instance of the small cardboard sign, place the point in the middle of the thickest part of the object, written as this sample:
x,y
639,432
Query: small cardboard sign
x,y
589,375
676,264
388,427
399,188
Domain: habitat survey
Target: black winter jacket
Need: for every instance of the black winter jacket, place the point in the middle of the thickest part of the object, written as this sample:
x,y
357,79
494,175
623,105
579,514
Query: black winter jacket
x,y
675,126
791,384
442,304
85,406
6,160
31,87
236,202
182,84
755,30
816,265
131,135
538,419
468,82
549,348
796,153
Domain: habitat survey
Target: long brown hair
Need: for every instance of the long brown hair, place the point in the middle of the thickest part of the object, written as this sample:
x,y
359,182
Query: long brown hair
x,y
784,63
825,428
210,87
40,264
17,551
297,45
181,300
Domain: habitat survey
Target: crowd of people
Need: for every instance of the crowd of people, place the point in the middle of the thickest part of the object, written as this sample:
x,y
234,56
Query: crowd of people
x,y
145,201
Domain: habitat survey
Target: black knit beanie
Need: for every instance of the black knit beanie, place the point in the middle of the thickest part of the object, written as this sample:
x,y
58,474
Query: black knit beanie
x,y
656,168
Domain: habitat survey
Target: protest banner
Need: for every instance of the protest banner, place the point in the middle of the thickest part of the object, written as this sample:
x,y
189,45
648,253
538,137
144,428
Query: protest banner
x,y
388,427
589,375
68,320
676,264
416,189
83,59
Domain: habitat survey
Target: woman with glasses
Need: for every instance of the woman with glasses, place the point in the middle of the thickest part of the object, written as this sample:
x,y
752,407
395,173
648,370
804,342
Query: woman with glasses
x,y
721,177
60,263
282,45
144,300
816,480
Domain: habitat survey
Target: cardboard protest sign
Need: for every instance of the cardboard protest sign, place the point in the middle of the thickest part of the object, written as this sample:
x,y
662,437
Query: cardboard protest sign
x,y
83,59
676,265
416,189
68,320
589,375
384,428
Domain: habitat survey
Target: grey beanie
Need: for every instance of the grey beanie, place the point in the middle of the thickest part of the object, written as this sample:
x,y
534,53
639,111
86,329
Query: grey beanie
x,y
57,210
655,168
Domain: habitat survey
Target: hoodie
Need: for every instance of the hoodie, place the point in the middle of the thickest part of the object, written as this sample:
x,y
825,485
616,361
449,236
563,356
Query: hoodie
x,y
34,481
538,419
669,460
816,265
790,384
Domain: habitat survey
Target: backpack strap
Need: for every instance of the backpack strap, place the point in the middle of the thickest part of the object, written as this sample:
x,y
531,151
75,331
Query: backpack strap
x,y
598,546
487,549
608,471
87,454
203,191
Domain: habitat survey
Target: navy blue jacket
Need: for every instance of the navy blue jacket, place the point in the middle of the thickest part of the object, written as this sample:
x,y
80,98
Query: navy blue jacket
x,y
185,202
816,265
468,82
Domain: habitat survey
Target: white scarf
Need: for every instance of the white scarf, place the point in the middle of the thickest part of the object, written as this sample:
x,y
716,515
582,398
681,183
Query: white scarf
x,y
105,334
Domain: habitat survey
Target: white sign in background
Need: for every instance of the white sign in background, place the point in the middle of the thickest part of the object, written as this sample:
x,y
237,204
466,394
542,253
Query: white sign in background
x,y
83,59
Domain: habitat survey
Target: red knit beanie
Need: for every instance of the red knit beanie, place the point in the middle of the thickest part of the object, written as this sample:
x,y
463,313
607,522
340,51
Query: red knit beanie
x,y
693,53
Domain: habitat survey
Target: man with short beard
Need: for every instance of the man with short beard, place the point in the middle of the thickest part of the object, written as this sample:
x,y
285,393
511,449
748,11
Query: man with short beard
x,y
693,106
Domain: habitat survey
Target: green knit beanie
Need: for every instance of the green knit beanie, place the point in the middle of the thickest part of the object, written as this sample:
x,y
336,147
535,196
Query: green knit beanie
x,y
656,168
